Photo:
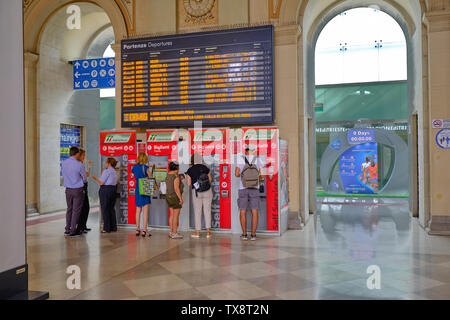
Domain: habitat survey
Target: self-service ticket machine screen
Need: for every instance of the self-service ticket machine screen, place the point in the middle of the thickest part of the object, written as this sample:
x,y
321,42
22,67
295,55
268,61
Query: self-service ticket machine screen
x,y
162,148
213,146
122,147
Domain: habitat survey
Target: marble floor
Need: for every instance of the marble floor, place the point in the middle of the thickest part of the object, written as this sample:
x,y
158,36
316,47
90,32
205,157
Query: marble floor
x,y
328,259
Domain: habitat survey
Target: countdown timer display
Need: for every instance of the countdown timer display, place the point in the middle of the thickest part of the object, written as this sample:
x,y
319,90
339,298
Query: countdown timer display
x,y
221,78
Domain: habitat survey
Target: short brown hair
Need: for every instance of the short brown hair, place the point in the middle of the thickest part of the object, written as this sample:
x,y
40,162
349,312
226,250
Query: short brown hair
x,y
142,158
74,151
112,162
82,151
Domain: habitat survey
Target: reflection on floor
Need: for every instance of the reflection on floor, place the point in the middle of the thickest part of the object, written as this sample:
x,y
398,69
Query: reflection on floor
x,y
326,260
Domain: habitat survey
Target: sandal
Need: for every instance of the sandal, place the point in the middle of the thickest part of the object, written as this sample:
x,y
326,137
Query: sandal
x,y
138,232
144,233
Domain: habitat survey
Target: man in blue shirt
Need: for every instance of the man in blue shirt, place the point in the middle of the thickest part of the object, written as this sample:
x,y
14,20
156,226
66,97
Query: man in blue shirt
x,y
74,175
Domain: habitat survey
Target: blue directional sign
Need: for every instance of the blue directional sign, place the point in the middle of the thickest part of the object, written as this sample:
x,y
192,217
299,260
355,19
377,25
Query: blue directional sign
x,y
94,74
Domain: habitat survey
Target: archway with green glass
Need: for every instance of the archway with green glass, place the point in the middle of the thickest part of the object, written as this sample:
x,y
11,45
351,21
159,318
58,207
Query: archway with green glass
x,y
361,94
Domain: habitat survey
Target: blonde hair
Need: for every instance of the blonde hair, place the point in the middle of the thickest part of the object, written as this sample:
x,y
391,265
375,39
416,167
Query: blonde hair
x,y
142,158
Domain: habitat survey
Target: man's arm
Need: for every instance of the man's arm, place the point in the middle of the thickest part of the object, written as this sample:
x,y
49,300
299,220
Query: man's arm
x,y
237,172
83,172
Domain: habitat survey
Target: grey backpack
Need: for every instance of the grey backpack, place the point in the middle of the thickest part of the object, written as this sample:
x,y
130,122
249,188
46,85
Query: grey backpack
x,y
250,174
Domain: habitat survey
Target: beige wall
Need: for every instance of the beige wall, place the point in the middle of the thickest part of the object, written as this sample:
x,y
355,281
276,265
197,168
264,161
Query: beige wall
x,y
439,85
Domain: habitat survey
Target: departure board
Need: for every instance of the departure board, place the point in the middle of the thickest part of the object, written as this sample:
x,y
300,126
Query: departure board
x,y
221,78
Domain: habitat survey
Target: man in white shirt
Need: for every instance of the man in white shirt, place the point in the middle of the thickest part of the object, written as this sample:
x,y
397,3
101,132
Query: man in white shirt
x,y
248,196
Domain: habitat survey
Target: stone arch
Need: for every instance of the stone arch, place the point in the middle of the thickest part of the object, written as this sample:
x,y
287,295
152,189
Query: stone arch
x,y
311,23
37,14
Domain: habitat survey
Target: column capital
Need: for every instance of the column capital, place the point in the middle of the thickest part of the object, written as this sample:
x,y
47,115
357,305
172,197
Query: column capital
x,y
117,50
30,59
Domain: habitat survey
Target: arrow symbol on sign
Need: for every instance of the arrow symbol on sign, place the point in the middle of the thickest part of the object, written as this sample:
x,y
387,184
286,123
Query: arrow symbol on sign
x,y
77,84
77,74
111,82
77,64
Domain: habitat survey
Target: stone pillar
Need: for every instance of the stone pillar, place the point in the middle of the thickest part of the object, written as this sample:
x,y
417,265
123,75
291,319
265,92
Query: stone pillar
x,y
31,139
118,62
286,103
439,97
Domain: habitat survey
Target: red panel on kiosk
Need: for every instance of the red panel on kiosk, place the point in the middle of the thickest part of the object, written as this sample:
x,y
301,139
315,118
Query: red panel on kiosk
x,y
207,142
163,143
118,143
266,142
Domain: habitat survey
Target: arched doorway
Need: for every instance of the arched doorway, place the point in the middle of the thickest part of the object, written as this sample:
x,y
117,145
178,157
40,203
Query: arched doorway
x,y
314,17
52,104
361,100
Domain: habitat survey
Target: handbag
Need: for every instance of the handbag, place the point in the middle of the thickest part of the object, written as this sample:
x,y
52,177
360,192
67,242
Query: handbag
x,y
147,186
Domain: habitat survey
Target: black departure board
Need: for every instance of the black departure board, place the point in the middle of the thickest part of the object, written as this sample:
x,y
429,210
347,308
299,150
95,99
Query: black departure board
x,y
221,78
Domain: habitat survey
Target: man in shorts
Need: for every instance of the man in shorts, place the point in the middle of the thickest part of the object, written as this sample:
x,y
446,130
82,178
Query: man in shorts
x,y
248,197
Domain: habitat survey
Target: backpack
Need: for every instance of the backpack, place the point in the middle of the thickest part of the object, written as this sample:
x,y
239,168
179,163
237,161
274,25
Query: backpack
x,y
203,183
250,174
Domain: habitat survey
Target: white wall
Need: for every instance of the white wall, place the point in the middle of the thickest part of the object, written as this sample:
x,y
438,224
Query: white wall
x,y
12,143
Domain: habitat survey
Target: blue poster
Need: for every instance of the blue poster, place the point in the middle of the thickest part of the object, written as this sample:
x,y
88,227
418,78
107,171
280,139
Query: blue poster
x,y
358,168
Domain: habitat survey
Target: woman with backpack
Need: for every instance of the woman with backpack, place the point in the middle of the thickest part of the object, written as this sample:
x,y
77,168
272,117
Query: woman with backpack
x,y
199,178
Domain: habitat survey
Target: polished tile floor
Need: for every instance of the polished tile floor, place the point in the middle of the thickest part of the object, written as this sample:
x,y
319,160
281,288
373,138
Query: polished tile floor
x,y
326,260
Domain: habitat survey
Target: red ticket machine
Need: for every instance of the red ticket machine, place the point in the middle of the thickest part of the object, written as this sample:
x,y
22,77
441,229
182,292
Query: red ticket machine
x,y
274,204
213,145
161,148
121,145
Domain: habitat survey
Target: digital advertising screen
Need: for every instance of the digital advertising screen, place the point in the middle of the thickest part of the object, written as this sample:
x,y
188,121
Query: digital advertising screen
x,y
219,77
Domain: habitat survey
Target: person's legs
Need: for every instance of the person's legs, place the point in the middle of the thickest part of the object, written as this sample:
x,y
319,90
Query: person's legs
x,y
104,205
138,218
171,220
197,203
84,212
112,208
207,200
145,218
176,215
254,200
254,221
243,219
69,201
78,199
243,201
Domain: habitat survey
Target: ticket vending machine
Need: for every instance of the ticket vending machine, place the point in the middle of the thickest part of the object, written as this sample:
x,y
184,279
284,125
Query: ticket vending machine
x,y
121,145
213,145
273,212
162,148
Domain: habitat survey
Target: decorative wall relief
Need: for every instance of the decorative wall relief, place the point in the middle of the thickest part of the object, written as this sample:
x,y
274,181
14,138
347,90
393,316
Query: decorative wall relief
x,y
194,13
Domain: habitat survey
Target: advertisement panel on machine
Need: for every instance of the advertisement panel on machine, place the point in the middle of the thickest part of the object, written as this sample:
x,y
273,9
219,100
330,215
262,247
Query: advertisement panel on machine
x,y
121,145
213,146
266,142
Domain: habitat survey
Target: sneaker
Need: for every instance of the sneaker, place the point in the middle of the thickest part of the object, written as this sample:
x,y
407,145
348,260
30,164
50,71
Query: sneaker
x,y
195,236
75,235
177,236
244,237
66,234
253,237
208,236
170,235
